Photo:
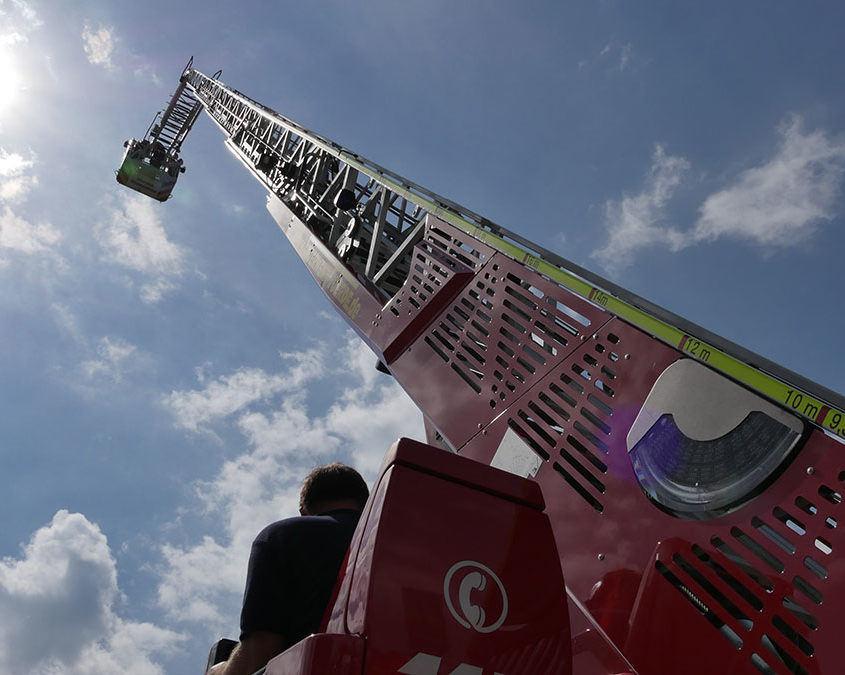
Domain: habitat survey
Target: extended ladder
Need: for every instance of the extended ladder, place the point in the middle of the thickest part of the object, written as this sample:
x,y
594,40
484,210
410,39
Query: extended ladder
x,y
371,218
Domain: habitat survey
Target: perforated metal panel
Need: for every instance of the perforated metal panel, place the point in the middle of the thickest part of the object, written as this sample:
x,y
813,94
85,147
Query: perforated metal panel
x,y
753,584
750,584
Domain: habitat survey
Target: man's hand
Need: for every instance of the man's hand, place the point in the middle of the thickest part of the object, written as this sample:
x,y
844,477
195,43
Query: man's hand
x,y
251,654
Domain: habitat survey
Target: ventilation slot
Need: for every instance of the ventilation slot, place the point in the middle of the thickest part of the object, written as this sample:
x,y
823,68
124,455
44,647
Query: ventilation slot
x,y
800,613
806,506
761,579
531,422
699,605
589,477
830,494
738,587
568,311
466,378
599,404
823,545
543,415
761,665
591,417
469,350
516,310
815,567
562,415
580,489
793,635
792,523
601,386
808,589
460,325
773,536
741,617
758,550
455,246
562,395
588,455
435,348
783,656
591,437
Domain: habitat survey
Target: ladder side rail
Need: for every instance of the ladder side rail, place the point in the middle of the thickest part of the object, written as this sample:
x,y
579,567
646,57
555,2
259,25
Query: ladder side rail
x,y
774,381
316,170
822,406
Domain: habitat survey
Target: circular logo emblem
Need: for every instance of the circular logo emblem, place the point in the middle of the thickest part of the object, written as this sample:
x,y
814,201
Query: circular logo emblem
x,y
475,596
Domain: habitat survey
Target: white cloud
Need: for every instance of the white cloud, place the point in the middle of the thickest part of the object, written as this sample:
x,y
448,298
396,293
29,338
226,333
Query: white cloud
x,y
15,181
26,12
17,18
204,582
620,51
154,291
57,608
99,45
16,232
67,322
231,393
780,202
12,164
20,235
634,222
135,238
12,37
145,71
114,356
16,188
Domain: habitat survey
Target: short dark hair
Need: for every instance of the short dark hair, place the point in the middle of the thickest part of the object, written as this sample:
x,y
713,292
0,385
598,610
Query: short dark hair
x,y
330,482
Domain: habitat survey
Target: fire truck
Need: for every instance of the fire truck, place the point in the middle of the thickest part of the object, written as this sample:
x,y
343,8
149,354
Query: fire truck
x,y
606,488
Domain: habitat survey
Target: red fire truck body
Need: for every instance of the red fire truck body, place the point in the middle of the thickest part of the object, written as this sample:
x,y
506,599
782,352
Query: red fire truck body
x,y
607,488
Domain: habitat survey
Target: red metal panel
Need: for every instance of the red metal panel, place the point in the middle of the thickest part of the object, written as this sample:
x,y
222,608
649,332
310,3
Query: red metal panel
x,y
433,281
501,335
322,654
435,520
753,590
593,653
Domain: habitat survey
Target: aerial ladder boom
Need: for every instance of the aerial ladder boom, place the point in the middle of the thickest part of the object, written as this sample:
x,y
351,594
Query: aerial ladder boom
x,y
694,488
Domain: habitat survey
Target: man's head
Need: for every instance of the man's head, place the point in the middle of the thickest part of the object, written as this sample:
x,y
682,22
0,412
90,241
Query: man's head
x,y
331,487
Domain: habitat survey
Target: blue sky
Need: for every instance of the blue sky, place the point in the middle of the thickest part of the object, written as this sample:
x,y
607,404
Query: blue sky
x,y
169,372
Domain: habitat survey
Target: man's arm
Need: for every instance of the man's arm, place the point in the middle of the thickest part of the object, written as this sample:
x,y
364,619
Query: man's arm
x,y
251,654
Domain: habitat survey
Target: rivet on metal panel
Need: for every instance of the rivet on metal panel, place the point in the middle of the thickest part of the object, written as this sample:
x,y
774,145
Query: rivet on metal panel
x,y
810,470
627,356
601,556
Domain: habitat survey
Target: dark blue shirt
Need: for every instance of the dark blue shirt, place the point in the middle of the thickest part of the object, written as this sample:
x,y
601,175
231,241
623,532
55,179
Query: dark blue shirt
x,y
292,571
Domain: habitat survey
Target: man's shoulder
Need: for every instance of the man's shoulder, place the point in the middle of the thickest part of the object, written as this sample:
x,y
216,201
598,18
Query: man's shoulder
x,y
305,527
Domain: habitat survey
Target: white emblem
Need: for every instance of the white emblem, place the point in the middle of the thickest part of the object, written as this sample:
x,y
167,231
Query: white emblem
x,y
461,580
